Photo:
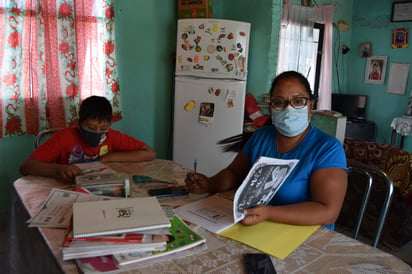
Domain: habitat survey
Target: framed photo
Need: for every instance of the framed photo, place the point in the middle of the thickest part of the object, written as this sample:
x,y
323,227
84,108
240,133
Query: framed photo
x,y
375,69
401,11
400,38
365,50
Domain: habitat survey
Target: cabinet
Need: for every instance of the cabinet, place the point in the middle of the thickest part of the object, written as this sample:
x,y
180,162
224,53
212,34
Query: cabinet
x,y
360,130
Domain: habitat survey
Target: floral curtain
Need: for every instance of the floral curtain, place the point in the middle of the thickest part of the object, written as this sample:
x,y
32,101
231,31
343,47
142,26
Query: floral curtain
x,y
53,54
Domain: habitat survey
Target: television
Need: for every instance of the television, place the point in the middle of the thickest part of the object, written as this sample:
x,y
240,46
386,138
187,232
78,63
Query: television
x,y
350,105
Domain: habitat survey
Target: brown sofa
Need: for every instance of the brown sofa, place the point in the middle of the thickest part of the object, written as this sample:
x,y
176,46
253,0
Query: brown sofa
x,y
397,164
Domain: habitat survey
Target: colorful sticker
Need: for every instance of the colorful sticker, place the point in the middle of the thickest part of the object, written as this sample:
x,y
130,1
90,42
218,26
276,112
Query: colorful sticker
x,y
190,105
215,27
230,98
211,49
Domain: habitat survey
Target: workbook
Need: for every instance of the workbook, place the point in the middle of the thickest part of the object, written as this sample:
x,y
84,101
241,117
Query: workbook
x,y
221,211
117,216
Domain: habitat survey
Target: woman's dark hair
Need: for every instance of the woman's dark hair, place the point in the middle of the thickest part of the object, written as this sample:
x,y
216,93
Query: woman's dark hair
x,y
292,75
95,107
236,143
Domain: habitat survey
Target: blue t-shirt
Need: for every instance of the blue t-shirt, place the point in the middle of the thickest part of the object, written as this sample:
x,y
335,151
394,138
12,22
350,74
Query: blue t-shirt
x,y
317,150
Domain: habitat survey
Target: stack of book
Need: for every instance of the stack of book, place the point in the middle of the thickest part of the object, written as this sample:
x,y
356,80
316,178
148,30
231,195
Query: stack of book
x,y
97,224
183,241
126,233
99,179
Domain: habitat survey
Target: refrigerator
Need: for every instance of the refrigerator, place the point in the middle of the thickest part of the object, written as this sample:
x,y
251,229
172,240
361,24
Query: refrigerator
x,y
210,90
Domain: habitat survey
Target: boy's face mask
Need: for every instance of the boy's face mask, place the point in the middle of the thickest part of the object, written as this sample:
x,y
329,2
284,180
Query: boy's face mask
x,y
92,138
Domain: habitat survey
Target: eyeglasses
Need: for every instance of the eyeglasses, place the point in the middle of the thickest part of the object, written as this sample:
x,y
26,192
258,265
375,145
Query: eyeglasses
x,y
298,102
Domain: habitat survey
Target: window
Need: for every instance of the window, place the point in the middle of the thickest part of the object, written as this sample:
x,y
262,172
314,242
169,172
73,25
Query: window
x,y
305,45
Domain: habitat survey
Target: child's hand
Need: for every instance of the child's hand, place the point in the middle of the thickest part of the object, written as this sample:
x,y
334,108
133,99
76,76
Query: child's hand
x,y
68,172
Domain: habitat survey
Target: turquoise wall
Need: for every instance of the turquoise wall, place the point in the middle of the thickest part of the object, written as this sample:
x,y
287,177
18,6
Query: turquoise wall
x,y
372,23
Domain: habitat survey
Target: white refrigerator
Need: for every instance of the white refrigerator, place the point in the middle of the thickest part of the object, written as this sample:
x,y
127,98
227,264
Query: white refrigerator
x,y
210,90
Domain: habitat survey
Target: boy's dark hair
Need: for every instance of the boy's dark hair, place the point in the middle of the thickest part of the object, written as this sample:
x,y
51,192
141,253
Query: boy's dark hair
x,y
95,107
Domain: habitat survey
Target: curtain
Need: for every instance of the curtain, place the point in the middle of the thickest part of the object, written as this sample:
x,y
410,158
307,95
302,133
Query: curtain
x,y
296,47
53,54
325,81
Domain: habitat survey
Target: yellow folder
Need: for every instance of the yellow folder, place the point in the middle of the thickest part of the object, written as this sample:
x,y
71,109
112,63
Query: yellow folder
x,y
275,239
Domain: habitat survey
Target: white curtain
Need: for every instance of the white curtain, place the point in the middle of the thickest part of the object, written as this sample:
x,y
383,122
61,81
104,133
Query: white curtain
x,y
297,50
325,81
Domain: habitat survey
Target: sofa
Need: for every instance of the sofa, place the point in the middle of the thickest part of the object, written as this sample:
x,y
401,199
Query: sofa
x,y
397,164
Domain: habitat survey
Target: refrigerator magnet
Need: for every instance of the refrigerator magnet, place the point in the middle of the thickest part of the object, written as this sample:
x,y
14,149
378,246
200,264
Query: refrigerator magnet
x,y
206,113
190,105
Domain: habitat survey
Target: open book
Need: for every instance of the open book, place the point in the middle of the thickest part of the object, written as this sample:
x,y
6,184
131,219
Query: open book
x,y
220,211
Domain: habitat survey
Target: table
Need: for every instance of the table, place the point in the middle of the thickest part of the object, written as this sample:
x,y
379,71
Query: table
x,y
36,250
403,126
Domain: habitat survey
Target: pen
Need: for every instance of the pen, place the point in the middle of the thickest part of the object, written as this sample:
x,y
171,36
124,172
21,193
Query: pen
x,y
90,170
195,165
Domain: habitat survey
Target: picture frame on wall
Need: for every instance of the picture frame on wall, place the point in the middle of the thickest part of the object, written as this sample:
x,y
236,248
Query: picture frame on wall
x,y
401,11
365,50
375,69
400,38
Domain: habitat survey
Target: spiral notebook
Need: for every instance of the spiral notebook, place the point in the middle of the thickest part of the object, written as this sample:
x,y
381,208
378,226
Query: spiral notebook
x,y
117,216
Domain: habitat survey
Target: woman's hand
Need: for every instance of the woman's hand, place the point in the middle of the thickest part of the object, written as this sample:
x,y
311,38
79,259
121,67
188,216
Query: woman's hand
x,y
255,215
197,183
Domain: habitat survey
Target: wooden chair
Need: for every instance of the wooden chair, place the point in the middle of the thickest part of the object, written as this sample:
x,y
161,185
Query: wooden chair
x,y
43,134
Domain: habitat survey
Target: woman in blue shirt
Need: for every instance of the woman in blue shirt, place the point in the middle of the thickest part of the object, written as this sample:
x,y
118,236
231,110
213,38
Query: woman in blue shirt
x,y
314,191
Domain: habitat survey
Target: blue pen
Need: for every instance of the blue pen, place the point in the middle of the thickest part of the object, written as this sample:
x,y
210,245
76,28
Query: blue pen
x,y
195,165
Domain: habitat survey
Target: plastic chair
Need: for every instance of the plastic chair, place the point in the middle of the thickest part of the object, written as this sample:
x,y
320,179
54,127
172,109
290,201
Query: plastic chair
x,y
370,173
42,134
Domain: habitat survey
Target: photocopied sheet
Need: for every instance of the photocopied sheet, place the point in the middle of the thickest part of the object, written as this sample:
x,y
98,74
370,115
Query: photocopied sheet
x,y
221,211
213,213
56,211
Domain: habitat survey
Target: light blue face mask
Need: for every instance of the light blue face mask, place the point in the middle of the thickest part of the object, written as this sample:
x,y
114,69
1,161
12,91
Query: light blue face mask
x,y
290,121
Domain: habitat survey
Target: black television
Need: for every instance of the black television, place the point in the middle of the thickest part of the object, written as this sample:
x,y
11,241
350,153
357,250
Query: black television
x,y
350,105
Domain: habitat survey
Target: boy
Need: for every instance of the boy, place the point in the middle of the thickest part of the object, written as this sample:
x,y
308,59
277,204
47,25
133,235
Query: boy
x,y
91,140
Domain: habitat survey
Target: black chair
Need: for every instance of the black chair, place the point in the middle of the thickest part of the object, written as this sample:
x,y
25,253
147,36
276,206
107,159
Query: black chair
x,y
370,175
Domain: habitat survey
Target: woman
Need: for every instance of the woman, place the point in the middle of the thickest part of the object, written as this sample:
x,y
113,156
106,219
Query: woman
x,y
314,191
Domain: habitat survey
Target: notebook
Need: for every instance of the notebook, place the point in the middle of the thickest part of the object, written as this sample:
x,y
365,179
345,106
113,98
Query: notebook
x,y
117,216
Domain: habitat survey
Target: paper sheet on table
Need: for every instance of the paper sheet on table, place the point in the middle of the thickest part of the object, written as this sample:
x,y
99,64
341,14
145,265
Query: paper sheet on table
x,y
275,239
56,210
